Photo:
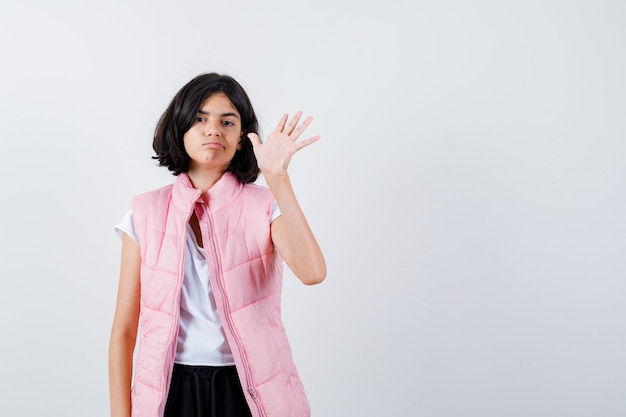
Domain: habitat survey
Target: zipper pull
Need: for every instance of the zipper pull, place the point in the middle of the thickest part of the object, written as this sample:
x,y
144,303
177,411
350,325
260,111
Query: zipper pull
x,y
252,393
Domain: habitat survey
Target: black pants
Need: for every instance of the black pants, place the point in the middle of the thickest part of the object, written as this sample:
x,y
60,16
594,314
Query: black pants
x,y
205,391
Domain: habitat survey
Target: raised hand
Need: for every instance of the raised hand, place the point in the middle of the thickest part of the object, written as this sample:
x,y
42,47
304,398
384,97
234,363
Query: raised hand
x,y
273,155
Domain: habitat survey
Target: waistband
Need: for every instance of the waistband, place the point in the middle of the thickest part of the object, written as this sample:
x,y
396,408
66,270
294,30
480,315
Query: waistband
x,y
186,372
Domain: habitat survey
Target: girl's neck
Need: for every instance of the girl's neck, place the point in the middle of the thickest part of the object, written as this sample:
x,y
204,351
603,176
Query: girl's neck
x,y
204,179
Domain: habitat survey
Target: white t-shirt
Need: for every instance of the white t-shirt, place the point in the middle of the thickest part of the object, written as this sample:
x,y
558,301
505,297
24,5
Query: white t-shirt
x,y
201,338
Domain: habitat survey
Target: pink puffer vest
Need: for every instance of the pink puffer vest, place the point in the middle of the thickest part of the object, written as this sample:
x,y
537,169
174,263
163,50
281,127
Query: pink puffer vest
x,y
246,277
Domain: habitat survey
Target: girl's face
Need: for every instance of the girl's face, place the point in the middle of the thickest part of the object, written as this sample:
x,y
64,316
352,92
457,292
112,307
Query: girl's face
x,y
214,137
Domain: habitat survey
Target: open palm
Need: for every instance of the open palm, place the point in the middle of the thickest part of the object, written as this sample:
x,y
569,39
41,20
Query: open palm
x,y
273,155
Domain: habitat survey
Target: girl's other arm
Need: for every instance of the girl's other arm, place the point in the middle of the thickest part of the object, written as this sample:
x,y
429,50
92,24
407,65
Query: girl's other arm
x,y
293,237
124,330
291,233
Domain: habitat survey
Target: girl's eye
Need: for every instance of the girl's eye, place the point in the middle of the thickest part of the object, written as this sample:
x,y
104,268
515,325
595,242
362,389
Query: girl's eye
x,y
199,119
228,123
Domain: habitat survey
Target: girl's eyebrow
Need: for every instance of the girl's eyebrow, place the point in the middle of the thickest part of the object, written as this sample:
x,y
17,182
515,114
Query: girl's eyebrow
x,y
227,114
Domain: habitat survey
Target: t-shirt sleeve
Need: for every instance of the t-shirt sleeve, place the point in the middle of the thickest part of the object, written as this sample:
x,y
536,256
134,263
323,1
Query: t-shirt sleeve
x,y
126,225
275,212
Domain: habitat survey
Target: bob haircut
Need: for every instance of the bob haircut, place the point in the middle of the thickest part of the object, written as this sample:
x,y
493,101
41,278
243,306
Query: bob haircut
x,y
181,113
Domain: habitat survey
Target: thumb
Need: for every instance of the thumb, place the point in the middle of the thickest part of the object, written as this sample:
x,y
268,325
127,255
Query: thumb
x,y
254,138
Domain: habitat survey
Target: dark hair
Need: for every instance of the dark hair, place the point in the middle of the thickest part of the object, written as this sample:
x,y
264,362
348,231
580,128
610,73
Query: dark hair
x,y
181,113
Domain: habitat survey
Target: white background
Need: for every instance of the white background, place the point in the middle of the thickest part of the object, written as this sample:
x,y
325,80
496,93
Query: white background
x,y
468,192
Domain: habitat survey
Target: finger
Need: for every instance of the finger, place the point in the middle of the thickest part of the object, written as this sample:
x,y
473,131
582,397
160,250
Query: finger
x,y
297,132
281,123
306,142
293,123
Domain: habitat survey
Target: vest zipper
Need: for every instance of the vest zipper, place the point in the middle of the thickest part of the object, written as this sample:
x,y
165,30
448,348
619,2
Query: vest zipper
x,y
175,329
209,236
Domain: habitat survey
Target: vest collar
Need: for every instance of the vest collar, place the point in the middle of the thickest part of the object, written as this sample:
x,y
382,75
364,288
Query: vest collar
x,y
222,193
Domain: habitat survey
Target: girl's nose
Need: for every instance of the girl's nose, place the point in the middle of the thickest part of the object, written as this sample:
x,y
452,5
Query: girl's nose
x,y
213,128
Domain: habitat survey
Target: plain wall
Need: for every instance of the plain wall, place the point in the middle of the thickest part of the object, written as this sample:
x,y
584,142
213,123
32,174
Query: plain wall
x,y
468,193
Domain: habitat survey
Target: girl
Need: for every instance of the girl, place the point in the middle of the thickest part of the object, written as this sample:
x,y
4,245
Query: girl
x,y
201,266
